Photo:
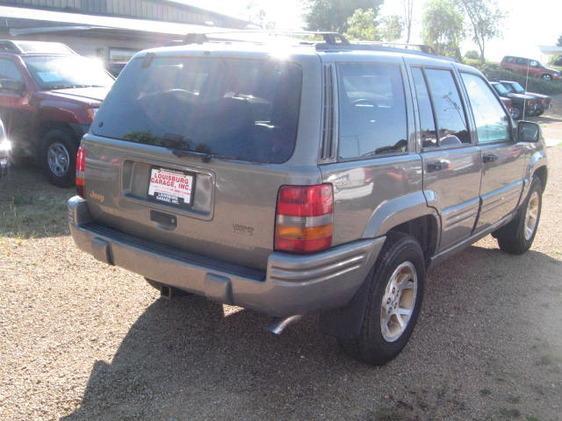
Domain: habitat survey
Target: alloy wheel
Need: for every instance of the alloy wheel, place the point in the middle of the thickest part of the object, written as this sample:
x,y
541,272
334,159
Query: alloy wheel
x,y
399,301
532,215
58,159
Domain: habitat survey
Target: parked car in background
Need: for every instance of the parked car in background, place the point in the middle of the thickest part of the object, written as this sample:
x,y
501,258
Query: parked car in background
x,y
5,151
48,98
515,87
521,103
529,66
318,183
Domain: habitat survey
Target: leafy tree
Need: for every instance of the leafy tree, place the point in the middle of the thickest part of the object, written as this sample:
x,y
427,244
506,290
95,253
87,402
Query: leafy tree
x,y
259,16
361,25
391,27
333,15
485,18
408,18
443,27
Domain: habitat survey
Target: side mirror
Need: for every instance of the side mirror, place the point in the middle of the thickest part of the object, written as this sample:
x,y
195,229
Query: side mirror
x,y
10,85
528,132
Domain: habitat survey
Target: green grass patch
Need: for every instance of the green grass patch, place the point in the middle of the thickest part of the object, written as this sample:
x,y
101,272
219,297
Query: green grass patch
x,y
27,216
30,207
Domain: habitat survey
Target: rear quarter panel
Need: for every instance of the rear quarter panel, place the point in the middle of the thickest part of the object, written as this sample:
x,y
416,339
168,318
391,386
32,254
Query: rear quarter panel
x,y
374,195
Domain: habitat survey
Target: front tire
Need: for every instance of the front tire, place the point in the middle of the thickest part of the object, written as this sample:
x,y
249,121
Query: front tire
x,y
517,236
58,157
393,305
546,76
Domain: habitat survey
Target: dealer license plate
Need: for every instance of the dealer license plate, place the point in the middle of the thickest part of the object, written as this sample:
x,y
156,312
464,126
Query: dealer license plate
x,y
171,187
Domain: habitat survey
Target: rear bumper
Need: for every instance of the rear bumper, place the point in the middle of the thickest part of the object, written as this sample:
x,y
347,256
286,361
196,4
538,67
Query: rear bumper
x,y
291,284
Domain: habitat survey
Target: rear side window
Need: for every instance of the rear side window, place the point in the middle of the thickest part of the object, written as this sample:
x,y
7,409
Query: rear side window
x,y
231,108
449,111
427,122
372,110
492,122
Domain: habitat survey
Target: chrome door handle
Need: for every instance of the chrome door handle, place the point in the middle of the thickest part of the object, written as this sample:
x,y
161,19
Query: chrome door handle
x,y
437,165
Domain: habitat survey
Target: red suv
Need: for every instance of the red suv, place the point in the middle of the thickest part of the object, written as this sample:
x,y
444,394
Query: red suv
x,y
532,67
48,98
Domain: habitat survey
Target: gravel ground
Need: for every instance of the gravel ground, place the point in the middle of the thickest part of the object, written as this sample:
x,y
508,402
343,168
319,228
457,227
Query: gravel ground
x,y
87,341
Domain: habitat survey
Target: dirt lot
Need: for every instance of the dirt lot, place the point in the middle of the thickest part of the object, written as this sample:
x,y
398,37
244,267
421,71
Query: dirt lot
x,y
89,341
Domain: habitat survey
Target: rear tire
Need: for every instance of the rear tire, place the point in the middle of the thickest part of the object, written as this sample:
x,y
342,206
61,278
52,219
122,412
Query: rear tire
x,y
58,157
546,76
517,236
395,295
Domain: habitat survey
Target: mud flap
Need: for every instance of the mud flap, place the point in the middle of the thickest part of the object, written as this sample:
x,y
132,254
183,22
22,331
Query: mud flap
x,y
345,322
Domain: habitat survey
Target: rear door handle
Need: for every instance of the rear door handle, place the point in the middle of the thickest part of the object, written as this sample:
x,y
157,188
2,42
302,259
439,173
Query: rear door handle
x,y
489,157
439,165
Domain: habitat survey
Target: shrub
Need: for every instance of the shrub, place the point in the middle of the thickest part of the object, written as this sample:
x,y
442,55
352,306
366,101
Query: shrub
x,y
472,55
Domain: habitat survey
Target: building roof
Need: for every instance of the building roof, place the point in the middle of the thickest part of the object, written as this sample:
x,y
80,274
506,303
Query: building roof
x,y
22,22
159,10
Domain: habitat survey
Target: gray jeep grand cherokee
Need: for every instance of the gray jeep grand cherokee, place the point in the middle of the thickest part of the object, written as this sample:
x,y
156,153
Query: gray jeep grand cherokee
x,y
294,178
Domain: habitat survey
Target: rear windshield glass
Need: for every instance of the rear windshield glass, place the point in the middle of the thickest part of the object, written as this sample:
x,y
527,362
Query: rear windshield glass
x,y
230,108
501,89
63,72
518,88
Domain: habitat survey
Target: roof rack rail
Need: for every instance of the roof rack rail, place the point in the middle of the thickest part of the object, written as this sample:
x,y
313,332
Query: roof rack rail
x,y
417,49
329,38
331,41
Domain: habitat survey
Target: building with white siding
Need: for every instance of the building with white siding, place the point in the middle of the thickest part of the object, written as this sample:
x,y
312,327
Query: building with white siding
x,y
111,30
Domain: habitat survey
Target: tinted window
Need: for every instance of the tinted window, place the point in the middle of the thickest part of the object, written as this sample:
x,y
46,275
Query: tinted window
x,y
517,88
501,89
237,109
508,87
523,61
451,119
8,70
427,122
492,122
372,110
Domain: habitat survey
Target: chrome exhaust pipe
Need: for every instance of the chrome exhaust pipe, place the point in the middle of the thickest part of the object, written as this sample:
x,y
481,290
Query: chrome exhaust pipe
x,y
278,325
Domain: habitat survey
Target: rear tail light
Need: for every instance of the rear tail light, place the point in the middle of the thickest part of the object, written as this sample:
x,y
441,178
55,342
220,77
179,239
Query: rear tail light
x,y
80,170
304,218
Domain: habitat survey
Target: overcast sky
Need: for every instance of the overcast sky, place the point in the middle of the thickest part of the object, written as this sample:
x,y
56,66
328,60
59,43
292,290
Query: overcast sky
x,y
528,24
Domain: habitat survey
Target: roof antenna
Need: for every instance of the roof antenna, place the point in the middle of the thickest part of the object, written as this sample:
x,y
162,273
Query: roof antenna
x,y
526,85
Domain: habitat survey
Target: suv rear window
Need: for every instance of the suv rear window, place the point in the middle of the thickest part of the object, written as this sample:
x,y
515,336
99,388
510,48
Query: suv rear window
x,y
231,108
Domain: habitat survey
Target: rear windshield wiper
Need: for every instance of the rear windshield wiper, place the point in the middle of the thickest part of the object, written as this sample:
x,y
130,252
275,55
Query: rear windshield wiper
x,y
205,156
181,146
